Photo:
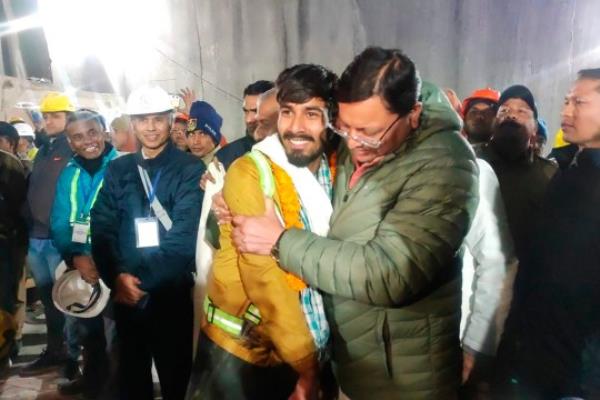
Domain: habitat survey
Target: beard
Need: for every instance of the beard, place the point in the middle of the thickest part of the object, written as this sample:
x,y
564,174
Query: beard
x,y
510,139
296,157
478,131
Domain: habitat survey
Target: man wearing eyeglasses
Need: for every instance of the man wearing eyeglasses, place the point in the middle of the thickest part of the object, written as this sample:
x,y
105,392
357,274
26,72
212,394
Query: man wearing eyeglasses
x,y
405,194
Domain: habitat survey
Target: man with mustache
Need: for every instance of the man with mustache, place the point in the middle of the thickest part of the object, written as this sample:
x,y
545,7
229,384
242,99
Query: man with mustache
x,y
203,134
264,329
478,112
389,269
522,174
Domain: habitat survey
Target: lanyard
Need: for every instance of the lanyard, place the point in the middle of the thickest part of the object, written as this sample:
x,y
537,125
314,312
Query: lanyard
x,y
150,187
88,196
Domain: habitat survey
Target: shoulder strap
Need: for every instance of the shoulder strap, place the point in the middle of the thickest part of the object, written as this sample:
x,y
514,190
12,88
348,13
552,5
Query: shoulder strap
x,y
267,182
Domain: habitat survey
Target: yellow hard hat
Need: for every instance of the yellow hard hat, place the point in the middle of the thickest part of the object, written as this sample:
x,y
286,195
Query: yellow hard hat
x,y
56,102
559,140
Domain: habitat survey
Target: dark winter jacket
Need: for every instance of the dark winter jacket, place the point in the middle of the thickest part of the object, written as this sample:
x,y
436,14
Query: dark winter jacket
x,y
558,318
522,183
12,197
390,267
234,150
122,199
49,162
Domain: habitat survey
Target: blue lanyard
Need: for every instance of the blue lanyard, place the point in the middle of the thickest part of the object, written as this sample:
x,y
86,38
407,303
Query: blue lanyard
x,y
153,185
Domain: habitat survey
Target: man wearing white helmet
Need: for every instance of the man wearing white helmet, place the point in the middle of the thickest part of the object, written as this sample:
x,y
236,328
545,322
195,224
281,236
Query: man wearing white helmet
x,y
144,225
26,149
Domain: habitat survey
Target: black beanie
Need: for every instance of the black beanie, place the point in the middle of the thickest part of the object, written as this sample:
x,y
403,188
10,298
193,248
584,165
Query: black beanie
x,y
9,131
519,92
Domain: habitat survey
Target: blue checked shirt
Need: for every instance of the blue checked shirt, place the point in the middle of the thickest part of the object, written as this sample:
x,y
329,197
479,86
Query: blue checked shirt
x,y
310,298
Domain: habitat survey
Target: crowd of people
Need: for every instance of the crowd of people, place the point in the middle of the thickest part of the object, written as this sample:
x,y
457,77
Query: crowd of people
x,y
370,236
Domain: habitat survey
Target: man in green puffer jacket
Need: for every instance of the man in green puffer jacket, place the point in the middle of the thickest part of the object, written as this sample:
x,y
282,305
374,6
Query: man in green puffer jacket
x,y
405,195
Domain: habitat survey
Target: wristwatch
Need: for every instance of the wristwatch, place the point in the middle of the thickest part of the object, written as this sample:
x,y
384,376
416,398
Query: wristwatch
x,y
275,249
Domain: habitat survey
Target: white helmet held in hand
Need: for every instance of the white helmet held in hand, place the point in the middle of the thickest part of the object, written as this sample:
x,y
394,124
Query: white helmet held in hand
x,y
148,100
74,296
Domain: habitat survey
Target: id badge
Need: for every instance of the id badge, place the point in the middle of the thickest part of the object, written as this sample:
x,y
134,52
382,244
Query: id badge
x,y
146,232
80,232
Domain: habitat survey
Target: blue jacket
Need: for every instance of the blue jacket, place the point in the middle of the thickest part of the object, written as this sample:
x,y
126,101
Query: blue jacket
x,y
122,199
68,208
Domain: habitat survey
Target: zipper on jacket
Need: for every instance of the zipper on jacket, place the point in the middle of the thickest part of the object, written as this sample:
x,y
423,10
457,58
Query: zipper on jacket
x,y
385,341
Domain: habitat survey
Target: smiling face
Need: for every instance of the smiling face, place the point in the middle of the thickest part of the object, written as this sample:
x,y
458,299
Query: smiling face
x,y
302,132
86,138
153,131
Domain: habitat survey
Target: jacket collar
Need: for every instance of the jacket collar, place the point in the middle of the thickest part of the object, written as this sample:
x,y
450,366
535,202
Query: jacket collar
x,y
588,158
527,159
109,154
161,159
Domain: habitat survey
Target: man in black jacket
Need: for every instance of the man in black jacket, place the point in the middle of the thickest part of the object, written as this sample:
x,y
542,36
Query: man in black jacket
x,y
557,322
144,226
523,175
13,232
43,258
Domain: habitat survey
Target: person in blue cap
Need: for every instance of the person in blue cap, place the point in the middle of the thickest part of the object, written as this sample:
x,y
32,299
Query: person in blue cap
x,y
204,131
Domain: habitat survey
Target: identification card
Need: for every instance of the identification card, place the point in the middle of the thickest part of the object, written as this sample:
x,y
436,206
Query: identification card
x,y
80,232
146,232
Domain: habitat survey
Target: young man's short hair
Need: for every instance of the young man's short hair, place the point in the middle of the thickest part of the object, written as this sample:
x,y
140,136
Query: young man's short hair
x,y
302,82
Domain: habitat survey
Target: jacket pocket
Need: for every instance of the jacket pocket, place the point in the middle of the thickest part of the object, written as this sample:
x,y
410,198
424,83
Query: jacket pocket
x,y
385,342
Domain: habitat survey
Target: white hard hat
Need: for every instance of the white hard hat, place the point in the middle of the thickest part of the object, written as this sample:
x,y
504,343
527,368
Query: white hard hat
x,y
148,100
74,296
24,129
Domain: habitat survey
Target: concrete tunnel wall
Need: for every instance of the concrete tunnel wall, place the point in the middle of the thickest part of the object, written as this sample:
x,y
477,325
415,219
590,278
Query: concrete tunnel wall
x,y
219,46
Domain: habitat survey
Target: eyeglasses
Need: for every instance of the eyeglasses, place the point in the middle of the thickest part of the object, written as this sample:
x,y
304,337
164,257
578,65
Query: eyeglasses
x,y
364,141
